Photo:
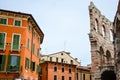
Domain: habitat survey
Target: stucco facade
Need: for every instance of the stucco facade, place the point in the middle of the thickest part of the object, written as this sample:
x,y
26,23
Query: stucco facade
x,y
58,66
20,39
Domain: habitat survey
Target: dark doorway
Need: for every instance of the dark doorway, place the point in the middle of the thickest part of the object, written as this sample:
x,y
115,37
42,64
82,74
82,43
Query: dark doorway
x,y
108,75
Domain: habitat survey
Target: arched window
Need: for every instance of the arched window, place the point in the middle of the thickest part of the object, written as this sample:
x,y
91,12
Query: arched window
x,y
111,36
96,25
108,56
103,31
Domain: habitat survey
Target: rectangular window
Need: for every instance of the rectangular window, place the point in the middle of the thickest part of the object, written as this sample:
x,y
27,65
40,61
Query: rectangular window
x,y
70,78
38,52
2,40
39,39
55,68
17,22
2,62
70,70
55,77
16,42
3,21
63,78
50,58
13,63
33,48
37,69
62,69
33,66
27,63
83,76
57,59
28,43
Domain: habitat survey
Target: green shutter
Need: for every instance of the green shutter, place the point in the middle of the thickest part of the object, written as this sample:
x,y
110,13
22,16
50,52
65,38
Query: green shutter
x,y
2,40
32,66
18,63
17,23
9,62
3,21
33,48
3,62
37,69
27,63
16,42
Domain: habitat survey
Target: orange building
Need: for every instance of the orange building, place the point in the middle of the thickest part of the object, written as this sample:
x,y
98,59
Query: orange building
x,y
58,66
20,39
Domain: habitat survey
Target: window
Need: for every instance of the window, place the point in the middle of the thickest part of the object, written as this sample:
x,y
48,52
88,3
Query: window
x,y
13,63
33,48
70,78
34,33
38,52
3,21
70,70
50,58
29,28
63,78
55,77
83,76
62,60
16,42
57,59
38,39
37,69
28,43
2,62
27,63
62,69
71,61
55,68
2,40
17,23
103,31
33,66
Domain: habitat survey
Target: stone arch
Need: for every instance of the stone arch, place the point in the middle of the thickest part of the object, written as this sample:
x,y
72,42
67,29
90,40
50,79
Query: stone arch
x,y
103,31
108,75
108,56
96,25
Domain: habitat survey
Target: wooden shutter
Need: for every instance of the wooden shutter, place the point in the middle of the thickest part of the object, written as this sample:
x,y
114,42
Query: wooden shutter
x,y
16,42
2,40
9,62
18,63
3,62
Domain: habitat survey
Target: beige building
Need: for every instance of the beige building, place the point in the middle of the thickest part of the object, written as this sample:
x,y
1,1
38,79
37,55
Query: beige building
x,y
84,73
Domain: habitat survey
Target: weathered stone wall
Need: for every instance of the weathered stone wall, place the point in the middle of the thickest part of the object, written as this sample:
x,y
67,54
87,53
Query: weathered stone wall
x,y
102,50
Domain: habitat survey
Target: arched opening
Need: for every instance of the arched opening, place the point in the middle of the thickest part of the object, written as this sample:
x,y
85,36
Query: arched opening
x,y
96,25
108,75
108,56
111,35
101,56
103,31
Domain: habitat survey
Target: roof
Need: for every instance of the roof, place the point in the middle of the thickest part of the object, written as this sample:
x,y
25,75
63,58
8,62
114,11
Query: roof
x,y
29,17
61,55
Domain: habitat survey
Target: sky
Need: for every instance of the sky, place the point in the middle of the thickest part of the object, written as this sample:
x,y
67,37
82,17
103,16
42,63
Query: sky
x,y
65,23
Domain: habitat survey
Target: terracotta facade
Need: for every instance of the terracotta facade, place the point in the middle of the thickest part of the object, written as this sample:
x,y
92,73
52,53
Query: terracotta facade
x,y
20,43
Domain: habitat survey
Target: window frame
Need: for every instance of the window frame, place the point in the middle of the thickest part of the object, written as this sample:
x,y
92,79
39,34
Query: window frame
x,y
19,42
15,68
18,20
6,21
28,43
4,41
